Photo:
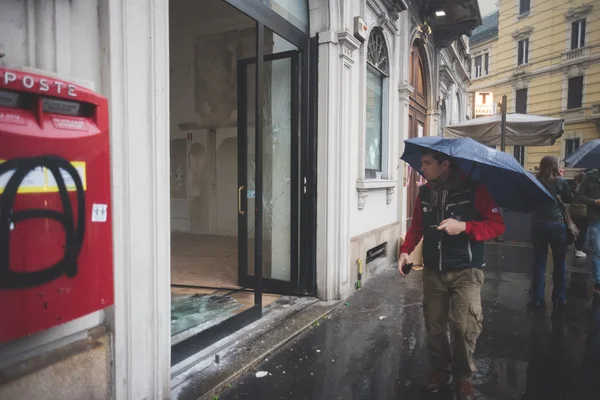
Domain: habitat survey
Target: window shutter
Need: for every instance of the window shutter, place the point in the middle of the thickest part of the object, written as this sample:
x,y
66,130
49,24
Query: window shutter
x,y
575,93
487,64
520,55
574,35
521,101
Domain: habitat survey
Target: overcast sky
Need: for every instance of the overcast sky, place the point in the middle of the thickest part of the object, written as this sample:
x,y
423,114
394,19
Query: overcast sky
x,y
487,6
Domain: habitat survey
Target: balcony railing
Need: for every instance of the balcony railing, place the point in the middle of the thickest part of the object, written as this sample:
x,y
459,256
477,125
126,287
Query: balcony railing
x,y
576,54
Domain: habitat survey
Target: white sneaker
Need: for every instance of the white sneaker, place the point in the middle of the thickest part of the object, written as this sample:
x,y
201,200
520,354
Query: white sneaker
x,y
580,254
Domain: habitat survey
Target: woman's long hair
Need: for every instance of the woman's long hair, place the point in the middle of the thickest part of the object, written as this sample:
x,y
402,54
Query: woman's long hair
x,y
548,170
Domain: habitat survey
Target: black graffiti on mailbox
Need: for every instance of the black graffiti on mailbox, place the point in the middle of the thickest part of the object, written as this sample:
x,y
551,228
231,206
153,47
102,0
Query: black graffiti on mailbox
x,y
74,229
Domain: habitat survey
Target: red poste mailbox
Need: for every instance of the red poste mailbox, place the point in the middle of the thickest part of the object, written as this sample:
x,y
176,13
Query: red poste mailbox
x,y
56,260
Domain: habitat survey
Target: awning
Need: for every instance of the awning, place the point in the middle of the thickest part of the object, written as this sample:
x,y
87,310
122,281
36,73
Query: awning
x,y
449,20
521,130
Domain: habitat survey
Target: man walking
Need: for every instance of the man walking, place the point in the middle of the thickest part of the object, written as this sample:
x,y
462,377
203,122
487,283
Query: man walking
x,y
454,216
588,193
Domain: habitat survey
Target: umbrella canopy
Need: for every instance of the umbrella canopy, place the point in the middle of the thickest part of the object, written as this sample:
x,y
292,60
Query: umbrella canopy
x,y
510,185
587,156
521,130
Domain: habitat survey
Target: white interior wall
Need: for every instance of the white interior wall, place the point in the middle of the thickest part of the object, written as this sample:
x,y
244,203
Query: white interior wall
x,y
208,123
209,205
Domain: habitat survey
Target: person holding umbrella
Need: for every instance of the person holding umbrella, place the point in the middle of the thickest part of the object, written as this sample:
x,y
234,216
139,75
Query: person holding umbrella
x,y
588,193
454,215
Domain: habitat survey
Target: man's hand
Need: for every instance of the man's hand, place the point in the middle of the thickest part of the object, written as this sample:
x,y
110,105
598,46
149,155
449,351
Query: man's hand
x,y
401,261
597,202
452,226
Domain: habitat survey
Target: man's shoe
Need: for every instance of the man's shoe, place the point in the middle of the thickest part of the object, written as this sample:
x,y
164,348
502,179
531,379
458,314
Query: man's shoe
x,y
465,390
437,381
580,254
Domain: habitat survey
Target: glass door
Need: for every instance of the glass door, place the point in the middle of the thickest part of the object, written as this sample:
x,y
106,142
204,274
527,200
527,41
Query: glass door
x,y
269,169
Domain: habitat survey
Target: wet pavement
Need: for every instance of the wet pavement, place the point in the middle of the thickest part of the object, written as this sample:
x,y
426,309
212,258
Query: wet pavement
x,y
373,347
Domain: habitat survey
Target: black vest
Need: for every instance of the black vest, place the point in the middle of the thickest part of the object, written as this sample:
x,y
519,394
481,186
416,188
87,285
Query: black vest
x,y
444,252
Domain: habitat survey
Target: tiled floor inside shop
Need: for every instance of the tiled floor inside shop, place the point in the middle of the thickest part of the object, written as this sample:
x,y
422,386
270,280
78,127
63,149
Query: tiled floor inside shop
x,y
211,264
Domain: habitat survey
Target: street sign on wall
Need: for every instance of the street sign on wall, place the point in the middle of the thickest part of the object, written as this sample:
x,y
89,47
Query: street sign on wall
x,y
484,104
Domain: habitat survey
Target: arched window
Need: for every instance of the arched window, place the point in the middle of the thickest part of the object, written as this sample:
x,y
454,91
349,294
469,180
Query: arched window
x,y
377,73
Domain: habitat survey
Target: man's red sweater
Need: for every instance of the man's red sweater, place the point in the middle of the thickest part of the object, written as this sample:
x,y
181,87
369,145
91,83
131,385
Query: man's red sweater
x,y
489,227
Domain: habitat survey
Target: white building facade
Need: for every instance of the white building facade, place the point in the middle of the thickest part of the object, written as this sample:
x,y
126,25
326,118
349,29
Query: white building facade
x,y
372,73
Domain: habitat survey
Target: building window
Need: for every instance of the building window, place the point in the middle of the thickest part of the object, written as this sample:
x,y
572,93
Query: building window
x,y
482,64
521,101
571,145
578,34
377,70
477,66
523,56
519,153
524,6
575,93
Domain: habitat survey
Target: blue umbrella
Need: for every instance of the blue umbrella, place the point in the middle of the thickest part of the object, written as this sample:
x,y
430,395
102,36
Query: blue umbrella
x,y
587,156
510,185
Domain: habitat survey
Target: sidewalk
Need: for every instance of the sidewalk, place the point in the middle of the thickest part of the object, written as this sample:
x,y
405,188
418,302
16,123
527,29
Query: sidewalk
x,y
373,347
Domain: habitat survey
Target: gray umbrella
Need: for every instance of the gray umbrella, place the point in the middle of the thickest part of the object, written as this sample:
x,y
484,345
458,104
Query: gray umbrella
x,y
521,130
587,156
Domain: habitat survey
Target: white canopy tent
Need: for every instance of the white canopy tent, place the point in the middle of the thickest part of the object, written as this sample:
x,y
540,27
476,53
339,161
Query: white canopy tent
x,y
521,130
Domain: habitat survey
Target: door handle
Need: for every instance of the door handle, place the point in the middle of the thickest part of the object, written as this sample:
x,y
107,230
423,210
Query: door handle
x,y
240,190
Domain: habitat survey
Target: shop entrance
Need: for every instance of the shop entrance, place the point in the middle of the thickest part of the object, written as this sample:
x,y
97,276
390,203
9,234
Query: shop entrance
x,y
242,165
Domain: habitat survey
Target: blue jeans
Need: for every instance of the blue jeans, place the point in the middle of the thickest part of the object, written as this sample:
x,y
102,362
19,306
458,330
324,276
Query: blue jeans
x,y
594,241
555,235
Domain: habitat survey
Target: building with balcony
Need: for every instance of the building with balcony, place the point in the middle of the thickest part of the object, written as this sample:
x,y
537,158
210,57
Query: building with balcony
x,y
545,57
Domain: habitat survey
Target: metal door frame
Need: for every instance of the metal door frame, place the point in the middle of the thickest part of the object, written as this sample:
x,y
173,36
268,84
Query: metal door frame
x,y
245,279
308,47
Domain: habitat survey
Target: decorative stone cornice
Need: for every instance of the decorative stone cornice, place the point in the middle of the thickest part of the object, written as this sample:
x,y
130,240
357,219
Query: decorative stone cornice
x,y
578,12
405,91
395,7
574,70
389,195
392,11
520,78
446,75
522,33
362,198
348,43
389,16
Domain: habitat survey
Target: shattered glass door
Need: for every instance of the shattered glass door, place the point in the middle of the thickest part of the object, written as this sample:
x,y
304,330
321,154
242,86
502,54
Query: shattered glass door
x,y
280,167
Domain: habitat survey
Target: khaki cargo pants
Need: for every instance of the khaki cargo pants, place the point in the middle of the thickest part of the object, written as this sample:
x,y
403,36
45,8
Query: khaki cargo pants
x,y
452,300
